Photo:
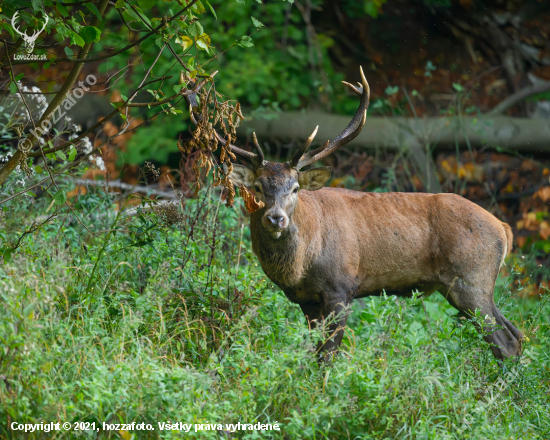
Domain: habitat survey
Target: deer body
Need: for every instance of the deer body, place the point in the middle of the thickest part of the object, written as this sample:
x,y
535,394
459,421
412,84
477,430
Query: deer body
x,y
341,245
326,246
378,241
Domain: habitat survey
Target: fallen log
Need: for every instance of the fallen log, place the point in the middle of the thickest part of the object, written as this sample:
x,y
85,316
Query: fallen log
x,y
417,137
522,135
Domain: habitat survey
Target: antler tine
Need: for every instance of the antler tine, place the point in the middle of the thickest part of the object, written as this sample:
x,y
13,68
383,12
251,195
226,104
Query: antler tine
x,y
350,132
258,148
298,155
191,98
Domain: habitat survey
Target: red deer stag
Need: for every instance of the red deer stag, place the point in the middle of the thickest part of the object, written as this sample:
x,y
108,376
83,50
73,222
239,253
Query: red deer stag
x,y
326,246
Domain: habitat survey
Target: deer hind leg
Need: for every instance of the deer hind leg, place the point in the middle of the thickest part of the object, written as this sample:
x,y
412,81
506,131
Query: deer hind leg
x,y
504,337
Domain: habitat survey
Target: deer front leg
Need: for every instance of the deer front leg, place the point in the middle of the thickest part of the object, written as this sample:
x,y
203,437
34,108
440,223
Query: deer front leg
x,y
333,317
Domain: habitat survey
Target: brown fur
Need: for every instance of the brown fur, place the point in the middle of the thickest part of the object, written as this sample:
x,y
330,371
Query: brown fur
x,y
340,244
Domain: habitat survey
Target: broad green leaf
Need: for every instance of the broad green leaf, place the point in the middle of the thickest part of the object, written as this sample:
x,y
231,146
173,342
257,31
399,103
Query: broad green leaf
x,y
143,16
8,27
198,8
47,367
147,4
62,10
76,39
195,29
59,198
36,5
391,90
29,309
245,41
90,34
8,253
212,9
257,23
62,30
371,8
68,52
94,10
38,169
130,15
61,155
458,87
201,44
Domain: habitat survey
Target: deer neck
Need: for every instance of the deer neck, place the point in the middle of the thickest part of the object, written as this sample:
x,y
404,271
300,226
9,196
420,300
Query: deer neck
x,y
283,259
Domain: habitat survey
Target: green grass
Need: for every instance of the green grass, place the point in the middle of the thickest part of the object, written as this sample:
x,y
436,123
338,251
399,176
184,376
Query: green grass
x,y
150,323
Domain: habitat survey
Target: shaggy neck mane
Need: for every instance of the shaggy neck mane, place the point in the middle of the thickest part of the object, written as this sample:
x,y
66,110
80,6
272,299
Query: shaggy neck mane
x,y
282,259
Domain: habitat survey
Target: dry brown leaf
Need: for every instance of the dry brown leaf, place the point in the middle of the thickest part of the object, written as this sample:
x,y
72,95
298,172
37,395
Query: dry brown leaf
x,y
544,230
250,202
543,193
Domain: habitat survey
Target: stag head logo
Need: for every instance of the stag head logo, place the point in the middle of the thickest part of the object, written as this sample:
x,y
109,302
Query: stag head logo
x,y
28,39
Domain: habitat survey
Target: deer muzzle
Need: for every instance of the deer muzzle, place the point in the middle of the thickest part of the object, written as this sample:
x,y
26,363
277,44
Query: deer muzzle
x,y
275,220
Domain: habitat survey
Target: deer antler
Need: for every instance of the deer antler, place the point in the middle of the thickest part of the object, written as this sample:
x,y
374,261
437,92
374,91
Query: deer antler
x,y
191,97
302,159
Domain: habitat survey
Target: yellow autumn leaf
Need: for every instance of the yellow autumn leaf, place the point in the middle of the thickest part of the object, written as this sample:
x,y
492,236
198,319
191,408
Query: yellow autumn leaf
x,y
185,42
205,38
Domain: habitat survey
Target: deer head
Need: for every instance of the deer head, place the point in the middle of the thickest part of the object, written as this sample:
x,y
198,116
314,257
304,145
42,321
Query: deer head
x,y
28,39
278,184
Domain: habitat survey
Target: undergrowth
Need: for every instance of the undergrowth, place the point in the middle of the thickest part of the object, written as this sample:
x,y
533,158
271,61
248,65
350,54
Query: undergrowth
x,y
164,315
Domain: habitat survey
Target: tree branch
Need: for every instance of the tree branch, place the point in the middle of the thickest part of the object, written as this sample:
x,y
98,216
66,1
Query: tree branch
x,y
124,49
515,98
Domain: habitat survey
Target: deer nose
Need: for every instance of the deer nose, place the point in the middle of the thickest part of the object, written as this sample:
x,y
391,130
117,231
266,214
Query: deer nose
x,y
275,219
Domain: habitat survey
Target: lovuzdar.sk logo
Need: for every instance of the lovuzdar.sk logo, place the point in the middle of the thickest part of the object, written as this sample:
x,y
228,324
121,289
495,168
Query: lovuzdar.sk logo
x,y
29,40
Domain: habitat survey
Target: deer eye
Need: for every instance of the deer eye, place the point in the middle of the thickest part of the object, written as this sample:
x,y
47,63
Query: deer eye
x,y
257,188
295,190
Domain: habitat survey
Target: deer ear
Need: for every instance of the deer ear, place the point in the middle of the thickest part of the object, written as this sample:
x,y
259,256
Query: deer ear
x,y
242,175
314,179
